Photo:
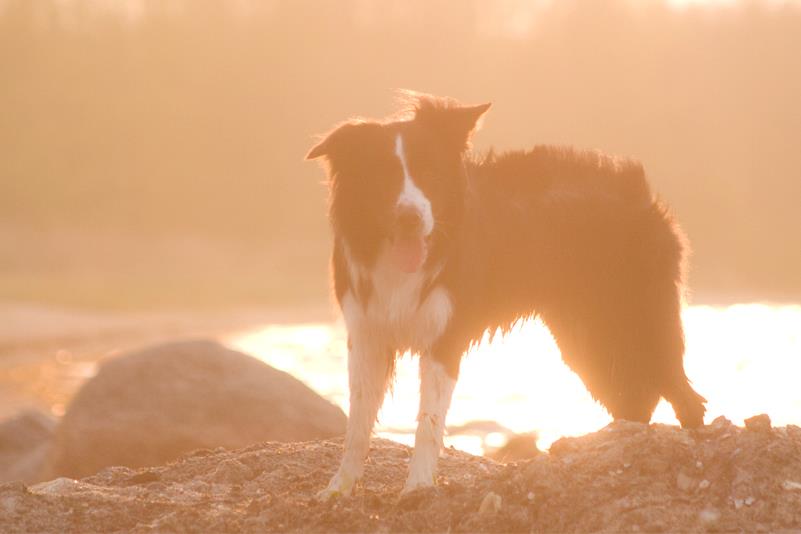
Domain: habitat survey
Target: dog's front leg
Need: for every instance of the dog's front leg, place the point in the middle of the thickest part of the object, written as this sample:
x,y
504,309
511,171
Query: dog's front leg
x,y
436,390
369,367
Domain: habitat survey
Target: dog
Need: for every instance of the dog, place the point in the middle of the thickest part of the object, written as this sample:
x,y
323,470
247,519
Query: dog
x,y
433,247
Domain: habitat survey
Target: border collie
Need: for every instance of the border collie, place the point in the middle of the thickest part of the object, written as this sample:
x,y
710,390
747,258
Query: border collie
x,y
434,247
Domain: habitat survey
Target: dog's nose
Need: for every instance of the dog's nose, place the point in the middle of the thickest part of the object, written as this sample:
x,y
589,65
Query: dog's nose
x,y
408,220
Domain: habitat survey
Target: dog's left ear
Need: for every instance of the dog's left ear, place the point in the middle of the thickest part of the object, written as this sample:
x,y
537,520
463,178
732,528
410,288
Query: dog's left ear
x,y
469,116
469,120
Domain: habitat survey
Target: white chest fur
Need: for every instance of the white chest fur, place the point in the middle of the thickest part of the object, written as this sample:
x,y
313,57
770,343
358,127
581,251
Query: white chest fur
x,y
396,312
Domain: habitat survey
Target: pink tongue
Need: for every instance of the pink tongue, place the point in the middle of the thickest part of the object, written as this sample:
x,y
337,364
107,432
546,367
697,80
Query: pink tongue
x,y
409,253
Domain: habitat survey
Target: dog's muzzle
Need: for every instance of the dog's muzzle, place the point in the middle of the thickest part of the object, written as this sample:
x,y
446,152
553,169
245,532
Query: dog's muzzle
x,y
409,247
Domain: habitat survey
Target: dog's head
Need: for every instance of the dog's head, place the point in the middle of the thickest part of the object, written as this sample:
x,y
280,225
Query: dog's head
x,y
399,183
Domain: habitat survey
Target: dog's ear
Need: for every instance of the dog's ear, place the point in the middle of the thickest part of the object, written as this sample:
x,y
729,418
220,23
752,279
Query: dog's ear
x,y
324,147
468,119
320,149
453,122
337,140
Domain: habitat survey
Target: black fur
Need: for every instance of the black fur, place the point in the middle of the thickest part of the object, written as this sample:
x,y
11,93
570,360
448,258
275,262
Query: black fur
x,y
573,236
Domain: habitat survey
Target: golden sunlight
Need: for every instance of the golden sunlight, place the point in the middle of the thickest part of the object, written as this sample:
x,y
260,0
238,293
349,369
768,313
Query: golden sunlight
x,y
745,359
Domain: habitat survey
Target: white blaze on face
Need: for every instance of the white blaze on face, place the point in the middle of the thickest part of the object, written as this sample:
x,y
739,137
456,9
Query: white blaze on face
x,y
411,195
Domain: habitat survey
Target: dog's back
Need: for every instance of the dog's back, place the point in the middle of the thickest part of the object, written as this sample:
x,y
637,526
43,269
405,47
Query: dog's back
x,y
541,222
577,238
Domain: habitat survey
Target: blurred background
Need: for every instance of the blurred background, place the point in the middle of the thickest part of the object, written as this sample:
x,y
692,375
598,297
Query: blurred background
x,y
152,180
151,151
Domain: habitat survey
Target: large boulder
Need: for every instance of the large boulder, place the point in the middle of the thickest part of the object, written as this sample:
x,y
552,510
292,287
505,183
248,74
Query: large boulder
x,y
149,407
25,441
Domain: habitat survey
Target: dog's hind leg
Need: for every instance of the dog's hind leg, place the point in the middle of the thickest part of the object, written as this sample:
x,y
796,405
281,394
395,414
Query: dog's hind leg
x,y
659,334
628,354
686,402
436,390
676,389
595,353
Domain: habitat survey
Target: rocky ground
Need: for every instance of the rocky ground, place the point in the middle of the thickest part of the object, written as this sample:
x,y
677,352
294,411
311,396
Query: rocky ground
x,y
627,477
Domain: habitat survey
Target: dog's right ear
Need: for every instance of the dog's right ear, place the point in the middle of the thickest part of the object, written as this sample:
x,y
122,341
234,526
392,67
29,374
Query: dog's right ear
x,y
320,149
336,140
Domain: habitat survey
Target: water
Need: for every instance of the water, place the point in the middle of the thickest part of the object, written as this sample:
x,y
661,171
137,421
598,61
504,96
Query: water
x,y
745,359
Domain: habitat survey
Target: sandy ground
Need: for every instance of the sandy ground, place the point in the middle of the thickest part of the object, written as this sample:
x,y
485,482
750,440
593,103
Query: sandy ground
x,y
628,477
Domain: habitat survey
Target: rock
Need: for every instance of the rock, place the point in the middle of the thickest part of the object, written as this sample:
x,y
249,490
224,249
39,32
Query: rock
x,y
718,426
11,497
58,486
519,447
720,422
709,516
626,427
791,485
25,441
25,430
232,471
149,407
684,482
758,423
490,504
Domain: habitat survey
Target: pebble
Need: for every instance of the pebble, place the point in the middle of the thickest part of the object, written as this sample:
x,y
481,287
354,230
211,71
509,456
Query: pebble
x,y
232,471
59,486
684,482
9,504
791,485
749,501
758,423
703,484
720,422
530,496
709,515
490,504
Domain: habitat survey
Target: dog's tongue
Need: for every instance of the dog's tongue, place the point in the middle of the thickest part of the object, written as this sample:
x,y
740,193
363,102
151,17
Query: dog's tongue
x,y
409,253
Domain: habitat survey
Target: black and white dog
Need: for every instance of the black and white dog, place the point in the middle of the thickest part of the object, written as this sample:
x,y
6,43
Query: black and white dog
x,y
433,248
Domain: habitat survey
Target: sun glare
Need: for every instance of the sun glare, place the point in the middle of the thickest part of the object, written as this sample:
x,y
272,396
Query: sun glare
x,y
744,359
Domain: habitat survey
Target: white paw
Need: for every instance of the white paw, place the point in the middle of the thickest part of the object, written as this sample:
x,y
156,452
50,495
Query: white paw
x,y
340,486
418,480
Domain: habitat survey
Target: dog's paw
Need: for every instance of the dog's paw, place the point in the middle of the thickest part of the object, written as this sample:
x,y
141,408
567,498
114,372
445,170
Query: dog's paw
x,y
340,486
418,481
